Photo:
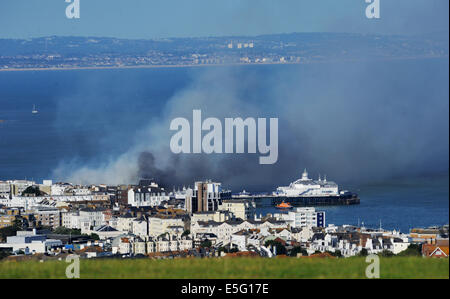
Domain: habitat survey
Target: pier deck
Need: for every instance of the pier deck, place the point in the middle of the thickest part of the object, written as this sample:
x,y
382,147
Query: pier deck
x,y
307,201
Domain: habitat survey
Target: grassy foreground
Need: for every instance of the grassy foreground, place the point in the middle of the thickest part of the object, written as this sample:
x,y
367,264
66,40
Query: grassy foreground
x,y
397,267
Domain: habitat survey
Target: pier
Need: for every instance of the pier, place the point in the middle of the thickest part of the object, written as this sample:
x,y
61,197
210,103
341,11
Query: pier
x,y
342,200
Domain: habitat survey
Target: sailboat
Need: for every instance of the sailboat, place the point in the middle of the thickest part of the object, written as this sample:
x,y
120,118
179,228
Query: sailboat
x,y
34,111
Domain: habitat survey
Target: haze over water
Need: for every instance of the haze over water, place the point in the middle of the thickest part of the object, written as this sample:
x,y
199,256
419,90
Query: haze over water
x,y
377,128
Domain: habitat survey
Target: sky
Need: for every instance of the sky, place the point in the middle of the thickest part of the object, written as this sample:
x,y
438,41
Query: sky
x,y
194,18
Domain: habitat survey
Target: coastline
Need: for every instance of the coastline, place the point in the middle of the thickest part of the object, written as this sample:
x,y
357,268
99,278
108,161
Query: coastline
x,y
210,65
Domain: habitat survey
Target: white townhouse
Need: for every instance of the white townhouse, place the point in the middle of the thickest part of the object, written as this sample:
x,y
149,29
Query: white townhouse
x,y
28,202
70,220
84,218
161,224
244,239
95,216
150,196
240,208
303,234
140,227
124,223
168,242
224,230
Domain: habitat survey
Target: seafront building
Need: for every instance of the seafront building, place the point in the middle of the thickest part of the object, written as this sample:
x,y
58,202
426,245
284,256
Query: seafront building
x,y
302,217
145,219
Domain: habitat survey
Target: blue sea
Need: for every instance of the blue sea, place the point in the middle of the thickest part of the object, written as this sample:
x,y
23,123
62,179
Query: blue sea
x,y
400,205
379,129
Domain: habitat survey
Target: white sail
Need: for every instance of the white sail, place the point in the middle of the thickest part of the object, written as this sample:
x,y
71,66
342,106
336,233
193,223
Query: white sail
x,y
34,111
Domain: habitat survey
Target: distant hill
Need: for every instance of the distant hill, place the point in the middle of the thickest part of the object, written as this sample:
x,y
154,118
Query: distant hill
x,y
291,41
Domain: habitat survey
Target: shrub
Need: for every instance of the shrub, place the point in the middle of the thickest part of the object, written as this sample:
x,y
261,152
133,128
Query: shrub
x,y
296,250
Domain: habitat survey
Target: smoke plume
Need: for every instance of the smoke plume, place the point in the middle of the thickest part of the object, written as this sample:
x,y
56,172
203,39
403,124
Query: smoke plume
x,y
355,122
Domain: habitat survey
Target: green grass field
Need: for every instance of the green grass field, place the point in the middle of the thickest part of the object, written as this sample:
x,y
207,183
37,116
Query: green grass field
x,y
397,267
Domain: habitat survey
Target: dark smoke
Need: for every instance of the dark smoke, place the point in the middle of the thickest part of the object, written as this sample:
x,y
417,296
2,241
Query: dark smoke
x,y
355,122
148,170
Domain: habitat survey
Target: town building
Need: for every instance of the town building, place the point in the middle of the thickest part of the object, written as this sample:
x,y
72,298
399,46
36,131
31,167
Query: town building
x,y
125,223
439,249
246,239
303,217
224,230
103,232
19,186
148,196
240,208
161,224
140,227
206,196
218,216
29,242
96,217
5,189
168,243
8,216
48,217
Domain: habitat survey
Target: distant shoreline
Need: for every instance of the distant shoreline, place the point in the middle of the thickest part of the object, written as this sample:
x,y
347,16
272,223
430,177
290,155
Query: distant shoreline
x,y
138,66
209,65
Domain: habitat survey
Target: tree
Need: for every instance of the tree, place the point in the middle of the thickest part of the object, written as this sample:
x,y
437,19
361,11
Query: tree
x,y
33,190
18,223
10,230
186,233
363,252
44,227
227,250
61,230
4,253
296,250
412,250
386,253
279,247
94,236
206,243
337,253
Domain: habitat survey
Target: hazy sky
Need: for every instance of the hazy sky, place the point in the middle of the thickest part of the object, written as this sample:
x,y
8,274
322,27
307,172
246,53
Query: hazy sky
x,y
181,18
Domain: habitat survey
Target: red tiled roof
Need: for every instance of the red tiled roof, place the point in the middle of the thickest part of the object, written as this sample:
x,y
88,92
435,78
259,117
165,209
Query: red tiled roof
x,y
91,249
430,250
320,255
242,254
